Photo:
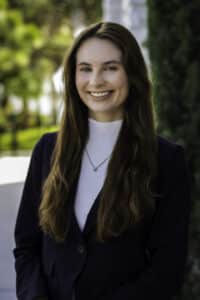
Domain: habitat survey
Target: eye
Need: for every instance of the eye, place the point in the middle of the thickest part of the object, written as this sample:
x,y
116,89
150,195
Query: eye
x,y
111,68
85,69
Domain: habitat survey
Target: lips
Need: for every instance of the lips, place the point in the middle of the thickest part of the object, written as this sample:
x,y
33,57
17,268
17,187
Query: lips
x,y
100,94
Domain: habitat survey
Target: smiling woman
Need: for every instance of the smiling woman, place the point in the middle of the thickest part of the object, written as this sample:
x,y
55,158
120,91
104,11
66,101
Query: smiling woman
x,y
105,208
101,79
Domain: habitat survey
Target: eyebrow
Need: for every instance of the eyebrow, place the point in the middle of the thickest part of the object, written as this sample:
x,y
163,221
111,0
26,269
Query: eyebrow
x,y
104,63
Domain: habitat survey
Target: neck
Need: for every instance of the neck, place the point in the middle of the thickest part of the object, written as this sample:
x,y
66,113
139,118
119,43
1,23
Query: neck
x,y
103,117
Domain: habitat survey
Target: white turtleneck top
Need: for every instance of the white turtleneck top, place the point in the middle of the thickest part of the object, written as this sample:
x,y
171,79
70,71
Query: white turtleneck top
x,y
101,141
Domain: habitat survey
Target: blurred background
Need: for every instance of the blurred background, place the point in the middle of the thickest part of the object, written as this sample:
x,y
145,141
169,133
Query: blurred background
x,y
34,38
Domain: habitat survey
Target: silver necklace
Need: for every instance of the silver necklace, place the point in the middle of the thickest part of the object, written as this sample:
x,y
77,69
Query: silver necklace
x,y
95,168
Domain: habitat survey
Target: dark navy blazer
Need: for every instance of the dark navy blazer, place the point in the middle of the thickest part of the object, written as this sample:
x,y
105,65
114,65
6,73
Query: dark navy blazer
x,y
147,262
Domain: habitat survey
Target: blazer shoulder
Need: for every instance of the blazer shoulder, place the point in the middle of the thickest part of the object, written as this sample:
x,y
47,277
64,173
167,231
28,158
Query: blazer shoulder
x,y
171,156
168,148
49,138
45,145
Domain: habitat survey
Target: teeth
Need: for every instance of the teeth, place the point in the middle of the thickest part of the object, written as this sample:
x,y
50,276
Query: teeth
x,y
99,94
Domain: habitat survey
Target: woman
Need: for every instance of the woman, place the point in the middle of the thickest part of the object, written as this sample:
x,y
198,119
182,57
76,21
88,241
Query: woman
x,y
105,208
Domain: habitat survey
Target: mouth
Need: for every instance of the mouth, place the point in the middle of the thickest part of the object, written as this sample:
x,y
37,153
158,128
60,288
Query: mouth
x,y
100,94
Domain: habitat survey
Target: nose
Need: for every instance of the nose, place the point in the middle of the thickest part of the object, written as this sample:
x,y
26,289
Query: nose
x,y
97,79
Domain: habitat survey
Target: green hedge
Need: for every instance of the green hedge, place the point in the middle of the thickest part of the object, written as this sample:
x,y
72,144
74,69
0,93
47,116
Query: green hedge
x,y
174,46
26,139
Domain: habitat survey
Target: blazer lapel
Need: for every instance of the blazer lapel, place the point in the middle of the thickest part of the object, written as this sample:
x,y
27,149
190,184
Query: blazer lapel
x,y
91,220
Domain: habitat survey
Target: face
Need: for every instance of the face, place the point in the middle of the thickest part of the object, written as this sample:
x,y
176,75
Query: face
x,y
101,80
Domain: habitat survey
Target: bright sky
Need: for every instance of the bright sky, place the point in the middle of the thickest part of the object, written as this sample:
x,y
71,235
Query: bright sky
x,y
13,169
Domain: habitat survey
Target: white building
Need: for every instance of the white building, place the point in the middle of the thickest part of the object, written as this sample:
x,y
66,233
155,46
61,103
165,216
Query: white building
x,y
130,13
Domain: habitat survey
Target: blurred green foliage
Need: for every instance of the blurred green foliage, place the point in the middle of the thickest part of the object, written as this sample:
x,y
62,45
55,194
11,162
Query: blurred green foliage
x,y
34,37
26,138
174,44
29,55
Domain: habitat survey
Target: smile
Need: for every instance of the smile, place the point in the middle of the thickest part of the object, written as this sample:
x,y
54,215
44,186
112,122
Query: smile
x,y
100,94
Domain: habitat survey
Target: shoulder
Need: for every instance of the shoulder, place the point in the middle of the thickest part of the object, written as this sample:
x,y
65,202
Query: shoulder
x,y
171,160
165,144
48,139
45,145
168,149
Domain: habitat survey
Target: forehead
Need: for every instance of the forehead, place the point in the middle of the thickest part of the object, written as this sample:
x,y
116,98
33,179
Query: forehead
x,y
96,50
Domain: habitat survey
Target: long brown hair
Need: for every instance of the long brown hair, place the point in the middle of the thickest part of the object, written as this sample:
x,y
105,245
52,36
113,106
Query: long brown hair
x,y
126,197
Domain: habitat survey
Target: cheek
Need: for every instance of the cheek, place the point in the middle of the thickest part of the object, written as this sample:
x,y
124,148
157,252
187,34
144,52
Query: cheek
x,y
81,81
124,83
119,80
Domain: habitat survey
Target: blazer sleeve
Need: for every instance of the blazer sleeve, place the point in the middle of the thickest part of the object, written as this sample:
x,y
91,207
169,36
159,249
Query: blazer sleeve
x,y
167,244
30,281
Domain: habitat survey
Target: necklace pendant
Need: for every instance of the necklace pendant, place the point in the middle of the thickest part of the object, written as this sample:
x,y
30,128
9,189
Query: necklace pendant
x,y
95,168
